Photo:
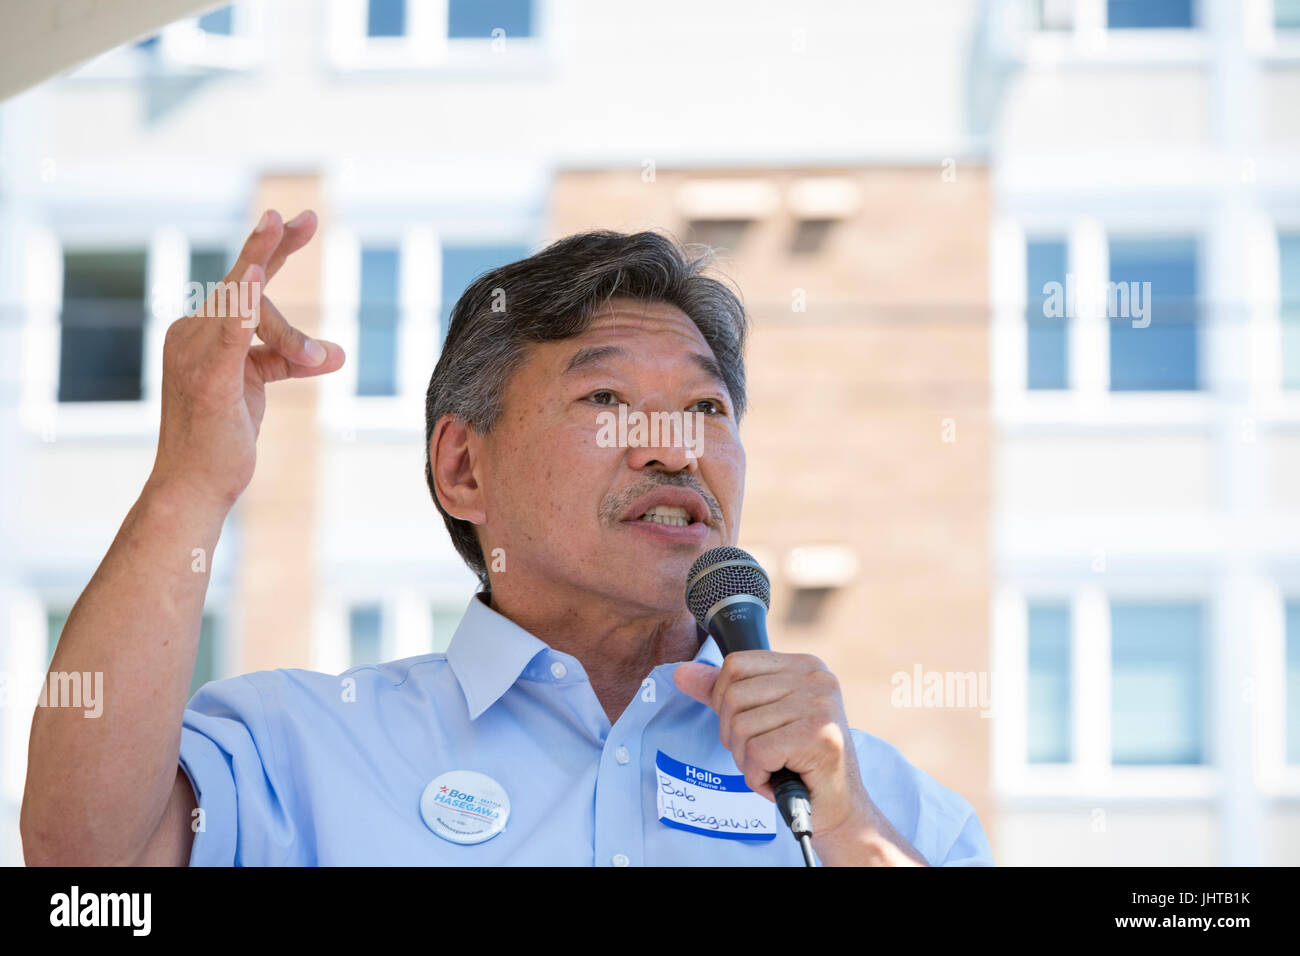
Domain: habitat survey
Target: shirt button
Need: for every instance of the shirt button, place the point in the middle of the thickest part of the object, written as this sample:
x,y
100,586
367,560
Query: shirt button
x,y
559,670
620,859
621,755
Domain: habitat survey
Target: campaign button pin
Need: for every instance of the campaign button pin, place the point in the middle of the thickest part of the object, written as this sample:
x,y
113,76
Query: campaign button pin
x,y
465,806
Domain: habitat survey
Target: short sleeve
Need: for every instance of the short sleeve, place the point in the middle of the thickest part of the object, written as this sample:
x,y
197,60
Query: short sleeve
x,y
940,823
229,754
971,846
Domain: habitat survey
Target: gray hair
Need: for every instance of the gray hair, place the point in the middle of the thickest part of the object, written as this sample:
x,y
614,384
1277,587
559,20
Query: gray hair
x,y
554,294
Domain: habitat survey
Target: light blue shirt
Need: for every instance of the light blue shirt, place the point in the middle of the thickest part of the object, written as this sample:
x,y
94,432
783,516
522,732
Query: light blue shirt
x,y
293,767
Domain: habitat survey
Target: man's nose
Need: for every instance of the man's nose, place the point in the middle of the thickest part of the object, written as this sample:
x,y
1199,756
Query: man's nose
x,y
668,444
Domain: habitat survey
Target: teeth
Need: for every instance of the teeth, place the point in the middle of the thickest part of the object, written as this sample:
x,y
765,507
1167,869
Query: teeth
x,y
665,514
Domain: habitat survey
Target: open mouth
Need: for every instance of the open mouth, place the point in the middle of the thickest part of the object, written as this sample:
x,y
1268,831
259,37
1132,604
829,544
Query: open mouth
x,y
667,514
671,514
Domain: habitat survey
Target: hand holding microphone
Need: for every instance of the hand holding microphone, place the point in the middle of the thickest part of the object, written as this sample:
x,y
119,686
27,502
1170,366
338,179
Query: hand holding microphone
x,y
775,710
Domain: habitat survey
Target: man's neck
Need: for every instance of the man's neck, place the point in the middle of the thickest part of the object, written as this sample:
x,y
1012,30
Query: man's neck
x,y
617,649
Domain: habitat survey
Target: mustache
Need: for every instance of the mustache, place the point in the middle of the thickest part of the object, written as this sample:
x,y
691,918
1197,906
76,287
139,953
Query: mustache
x,y
615,505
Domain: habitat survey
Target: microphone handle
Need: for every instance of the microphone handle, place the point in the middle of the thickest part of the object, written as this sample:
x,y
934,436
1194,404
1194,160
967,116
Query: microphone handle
x,y
793,800
742,626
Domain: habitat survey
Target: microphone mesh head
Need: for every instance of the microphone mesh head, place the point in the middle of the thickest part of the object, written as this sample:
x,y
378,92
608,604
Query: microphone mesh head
x,y
721,573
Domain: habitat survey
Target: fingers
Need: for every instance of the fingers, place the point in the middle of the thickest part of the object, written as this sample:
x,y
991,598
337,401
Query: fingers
x,y
294,345
260,244
297,233
274,367
233,308
753,724
746,664
272,241
696,680
766,751
742,698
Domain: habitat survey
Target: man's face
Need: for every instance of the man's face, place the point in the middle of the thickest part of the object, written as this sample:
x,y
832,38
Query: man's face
x,y
565,493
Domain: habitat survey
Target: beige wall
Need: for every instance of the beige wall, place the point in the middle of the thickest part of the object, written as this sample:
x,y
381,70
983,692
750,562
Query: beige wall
x,y
845,430
277,513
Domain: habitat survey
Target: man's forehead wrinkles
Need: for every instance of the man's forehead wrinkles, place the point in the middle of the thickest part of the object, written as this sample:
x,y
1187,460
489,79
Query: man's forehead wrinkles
x,y
617,308
670,324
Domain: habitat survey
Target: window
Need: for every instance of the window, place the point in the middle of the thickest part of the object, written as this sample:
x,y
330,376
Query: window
x,y
1049,683
446,619
377,320
227,38
461,264
1157,684
1293,682
386,18
1151,303
208,265
217,21
467,19
724,235
1047,337
1286,14
366,634
102,326
1149,14
810,236
1289,260
54,621
205,669
1051,14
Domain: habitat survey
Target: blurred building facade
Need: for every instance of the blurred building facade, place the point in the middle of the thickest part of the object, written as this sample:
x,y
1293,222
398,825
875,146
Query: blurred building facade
x,y
1145,496
1080,526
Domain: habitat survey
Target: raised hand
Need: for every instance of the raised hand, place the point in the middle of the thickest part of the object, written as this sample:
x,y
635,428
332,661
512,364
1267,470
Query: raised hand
x,y
214,379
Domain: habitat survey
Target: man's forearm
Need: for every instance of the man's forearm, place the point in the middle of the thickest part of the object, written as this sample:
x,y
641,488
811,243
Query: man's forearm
x,y
97,786
871,841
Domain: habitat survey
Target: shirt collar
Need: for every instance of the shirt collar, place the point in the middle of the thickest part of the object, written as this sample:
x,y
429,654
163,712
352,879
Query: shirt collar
x,y
489,651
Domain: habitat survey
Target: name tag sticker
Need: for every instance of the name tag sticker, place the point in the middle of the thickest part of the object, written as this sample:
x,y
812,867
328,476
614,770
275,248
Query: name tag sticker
x,y
714,804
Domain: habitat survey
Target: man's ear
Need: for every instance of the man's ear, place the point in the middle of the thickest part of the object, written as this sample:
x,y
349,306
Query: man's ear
x,y
452,457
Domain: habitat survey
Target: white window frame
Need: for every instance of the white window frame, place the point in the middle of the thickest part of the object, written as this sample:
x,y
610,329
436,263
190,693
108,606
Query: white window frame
x,y
183,45
184,48
1090,776
166,271
426,45
407,614
1273,403
42,413
344,412
1087,399
1262,36
1277,777
1092,39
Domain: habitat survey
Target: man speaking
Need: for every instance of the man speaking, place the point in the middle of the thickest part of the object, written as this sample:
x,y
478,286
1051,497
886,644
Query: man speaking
x,y
580,715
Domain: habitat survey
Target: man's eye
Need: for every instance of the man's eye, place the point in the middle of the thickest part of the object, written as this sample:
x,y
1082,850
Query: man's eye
x,y
600,397
714,408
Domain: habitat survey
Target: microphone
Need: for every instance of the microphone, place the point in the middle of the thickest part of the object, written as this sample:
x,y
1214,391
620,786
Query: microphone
x,y
729,594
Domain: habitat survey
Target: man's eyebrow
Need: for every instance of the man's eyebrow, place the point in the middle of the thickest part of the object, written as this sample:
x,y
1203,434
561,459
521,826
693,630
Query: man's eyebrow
x,y
710,366
592,355
595,354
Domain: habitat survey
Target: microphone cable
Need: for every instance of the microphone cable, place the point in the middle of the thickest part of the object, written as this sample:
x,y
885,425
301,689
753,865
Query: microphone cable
x,y
796,809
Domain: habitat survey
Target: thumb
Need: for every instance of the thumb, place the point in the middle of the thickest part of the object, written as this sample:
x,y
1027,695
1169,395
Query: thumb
x,y
696,680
